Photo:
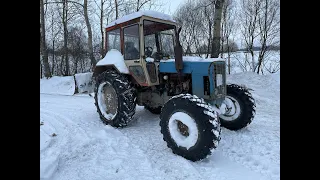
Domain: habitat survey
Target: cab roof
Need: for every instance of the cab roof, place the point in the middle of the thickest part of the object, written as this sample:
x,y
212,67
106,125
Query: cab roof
x,y
139,14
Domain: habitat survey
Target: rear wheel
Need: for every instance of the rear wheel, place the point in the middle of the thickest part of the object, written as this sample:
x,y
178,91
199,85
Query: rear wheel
x,y
240,109
190,127
114,98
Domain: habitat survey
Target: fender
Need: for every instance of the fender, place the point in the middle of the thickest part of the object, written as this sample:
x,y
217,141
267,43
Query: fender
x,y
112,60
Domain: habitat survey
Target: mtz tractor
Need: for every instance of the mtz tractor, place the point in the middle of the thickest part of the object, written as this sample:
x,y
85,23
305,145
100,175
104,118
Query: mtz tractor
x,y
144,66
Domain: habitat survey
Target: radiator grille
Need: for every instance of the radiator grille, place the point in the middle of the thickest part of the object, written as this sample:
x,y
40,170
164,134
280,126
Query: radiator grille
x,y
219,75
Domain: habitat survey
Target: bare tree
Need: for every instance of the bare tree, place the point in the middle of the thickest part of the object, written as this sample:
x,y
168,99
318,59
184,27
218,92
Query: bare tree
x,y
210,23
85,9
65,36
215,48
55,31
106,9
101,18
77,43
102,2
117,7
249,15
228,29
269,27
190,20
272,67
43,45
140,4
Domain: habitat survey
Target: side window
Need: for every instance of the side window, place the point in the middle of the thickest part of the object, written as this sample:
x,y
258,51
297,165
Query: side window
x,y
114,40
167,42
131,42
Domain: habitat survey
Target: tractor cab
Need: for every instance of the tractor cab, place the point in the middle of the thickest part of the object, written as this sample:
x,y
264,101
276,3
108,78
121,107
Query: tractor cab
x,y
144,39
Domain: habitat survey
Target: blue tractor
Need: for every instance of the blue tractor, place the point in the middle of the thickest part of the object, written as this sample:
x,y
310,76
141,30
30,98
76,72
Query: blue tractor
x,y
143,65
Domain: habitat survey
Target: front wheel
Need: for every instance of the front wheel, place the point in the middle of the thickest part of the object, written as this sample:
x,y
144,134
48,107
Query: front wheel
x,y
190,127
240,109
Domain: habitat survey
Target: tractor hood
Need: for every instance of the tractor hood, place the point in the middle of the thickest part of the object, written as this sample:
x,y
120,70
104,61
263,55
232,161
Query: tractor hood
x,y
191,64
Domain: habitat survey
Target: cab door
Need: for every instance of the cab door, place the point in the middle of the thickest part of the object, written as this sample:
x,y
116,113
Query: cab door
x,y
133,53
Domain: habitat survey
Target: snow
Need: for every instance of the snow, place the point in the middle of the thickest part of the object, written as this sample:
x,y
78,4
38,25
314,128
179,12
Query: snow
x,y
181,140
195,59
148,59
138,14
58,85
83,82
85,148
114,57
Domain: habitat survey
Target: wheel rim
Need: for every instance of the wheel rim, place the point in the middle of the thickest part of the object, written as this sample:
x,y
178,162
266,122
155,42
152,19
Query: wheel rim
x,y
183,129
107,100
233,109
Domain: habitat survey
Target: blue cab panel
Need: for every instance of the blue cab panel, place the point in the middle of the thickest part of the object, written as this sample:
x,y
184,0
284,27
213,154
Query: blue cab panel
x,y
197,70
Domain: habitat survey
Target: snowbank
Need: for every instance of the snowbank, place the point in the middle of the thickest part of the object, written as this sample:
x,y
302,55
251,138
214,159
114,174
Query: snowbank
x,y
66,85
254,81
83,82
58,85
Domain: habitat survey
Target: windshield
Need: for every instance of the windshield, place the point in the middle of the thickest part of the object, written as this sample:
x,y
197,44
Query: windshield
x,y
158,40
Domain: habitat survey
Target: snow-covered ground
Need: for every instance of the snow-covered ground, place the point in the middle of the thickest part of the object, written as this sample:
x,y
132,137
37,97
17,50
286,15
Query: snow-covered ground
x,y
75,144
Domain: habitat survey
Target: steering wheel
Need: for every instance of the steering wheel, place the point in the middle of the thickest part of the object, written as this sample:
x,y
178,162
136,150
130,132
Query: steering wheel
x,y
148,50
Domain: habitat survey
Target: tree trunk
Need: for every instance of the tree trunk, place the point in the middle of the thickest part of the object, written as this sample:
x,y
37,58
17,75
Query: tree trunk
x,y
261,57
53,60
40,70
85,8
61,65
76,66
102,30
228,50
116,4
44,50
138,2
252,59
215,48
65,36
210,28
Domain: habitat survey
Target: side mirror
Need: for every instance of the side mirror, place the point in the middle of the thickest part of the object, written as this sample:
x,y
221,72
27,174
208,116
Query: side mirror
x,y
177,36
178,53
179,30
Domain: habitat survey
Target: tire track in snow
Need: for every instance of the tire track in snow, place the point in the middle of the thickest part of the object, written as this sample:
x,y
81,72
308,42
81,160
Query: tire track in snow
x,y
94,151
259,154
144,131
221,167
49,156
52,155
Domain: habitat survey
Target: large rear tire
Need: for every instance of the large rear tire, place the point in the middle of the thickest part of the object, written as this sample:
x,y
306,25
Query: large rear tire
x,y
240,109
190,127
114,98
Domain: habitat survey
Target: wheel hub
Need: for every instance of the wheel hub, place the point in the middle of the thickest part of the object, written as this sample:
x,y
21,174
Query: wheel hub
x,y
107,100
110,98
183,129
232,109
